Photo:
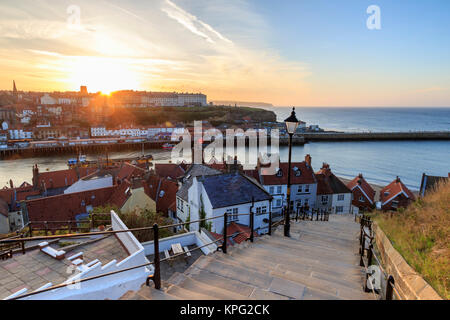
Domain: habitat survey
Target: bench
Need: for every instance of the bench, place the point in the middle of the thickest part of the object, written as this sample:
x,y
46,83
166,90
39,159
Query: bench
x,y
57,254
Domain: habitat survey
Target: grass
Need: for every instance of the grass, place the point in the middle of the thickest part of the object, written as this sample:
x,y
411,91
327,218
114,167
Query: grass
x,y
421,234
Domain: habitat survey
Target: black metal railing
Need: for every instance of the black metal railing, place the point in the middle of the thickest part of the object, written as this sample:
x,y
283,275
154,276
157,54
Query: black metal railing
x,y
367,256
156,276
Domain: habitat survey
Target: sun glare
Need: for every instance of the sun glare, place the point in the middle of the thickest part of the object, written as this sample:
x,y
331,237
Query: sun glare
x,y
103,74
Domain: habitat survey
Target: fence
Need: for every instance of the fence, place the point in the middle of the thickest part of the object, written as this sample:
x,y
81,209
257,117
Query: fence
x,y
376,277
156,276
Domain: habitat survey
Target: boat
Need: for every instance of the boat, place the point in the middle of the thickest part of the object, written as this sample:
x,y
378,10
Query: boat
x,y
168,146
81,161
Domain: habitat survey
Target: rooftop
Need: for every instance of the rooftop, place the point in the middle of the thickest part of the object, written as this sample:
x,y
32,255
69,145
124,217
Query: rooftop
x,y
35,268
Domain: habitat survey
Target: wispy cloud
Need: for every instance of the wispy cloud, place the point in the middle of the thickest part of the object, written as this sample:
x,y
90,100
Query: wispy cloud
x,y
192,23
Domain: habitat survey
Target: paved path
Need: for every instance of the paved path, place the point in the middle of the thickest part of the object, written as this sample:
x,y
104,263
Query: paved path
x,y
319,261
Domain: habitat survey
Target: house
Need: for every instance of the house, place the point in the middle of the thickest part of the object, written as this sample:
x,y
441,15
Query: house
x,y
164,194
182,201
303,183
332,193
129,171
169,170
395,195
231,193
56,182
363,194
429,183
237,233
65,207
132,195
93,181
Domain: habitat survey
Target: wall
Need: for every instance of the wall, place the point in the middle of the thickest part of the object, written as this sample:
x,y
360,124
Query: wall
x,y
346,203
110,287
409,284
185,239
4,224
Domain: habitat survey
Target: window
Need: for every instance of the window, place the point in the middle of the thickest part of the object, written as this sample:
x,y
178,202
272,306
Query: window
x,y
271,190
339,209
361,199
395,204
261,210
233,214
324,199
341,197
306,202
279,189
300,190
307,188
278,203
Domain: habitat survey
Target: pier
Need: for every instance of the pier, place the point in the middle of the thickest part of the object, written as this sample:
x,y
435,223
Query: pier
x,y
376,136
12,153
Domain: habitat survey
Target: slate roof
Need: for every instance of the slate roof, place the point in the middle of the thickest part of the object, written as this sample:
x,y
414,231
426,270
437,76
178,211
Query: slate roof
x,y
232,189
194,170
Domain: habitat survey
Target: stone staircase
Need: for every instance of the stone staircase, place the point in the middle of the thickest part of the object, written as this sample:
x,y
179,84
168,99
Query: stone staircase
x,y
319,261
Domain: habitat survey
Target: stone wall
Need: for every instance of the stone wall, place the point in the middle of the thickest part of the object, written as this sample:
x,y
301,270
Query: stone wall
x,y
409,284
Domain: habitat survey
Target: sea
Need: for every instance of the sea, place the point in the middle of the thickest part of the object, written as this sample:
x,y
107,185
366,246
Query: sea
x,y
379,161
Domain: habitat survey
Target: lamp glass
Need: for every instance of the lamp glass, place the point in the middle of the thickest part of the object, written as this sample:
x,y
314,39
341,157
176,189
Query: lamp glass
x,y
291,127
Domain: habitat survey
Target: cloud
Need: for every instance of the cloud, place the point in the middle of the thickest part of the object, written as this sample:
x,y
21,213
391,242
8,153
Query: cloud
x,y
192,23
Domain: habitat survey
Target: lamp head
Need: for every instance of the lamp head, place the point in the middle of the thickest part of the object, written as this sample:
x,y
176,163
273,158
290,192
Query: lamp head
x,y
291,122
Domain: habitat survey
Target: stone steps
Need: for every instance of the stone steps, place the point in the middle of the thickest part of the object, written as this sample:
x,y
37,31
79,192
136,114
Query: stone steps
x,y
319,261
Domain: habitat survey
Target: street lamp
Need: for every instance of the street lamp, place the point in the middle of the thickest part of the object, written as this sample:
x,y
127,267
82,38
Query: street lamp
x,y
291,127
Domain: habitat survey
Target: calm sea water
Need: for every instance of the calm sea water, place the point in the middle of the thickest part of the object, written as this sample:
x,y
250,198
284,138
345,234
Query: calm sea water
x,y
379,161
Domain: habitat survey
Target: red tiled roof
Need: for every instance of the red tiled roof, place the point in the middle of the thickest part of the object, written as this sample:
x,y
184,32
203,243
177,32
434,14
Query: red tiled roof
x,y
360,182
168,189
128,171
393,189
62,178
120,196
328,183
252,174
169,170
168,200
306,174
66,206
238,228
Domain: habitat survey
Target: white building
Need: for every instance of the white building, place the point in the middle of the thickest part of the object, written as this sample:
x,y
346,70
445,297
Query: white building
x,y
47,99
20,134
133,132
332,193
231,193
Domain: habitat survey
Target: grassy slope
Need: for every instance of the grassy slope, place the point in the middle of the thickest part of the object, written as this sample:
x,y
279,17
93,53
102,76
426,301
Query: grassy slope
x,y
421,234
150,116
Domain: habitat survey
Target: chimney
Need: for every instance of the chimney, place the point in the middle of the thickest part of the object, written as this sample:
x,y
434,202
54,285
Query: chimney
x,y
35,176
11,183
360,175
397,179
308,160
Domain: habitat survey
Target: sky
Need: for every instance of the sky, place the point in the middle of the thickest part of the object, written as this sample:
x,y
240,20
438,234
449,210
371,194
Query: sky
x,y
290,52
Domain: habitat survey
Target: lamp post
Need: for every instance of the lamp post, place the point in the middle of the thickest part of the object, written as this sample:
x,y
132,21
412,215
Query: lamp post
x,y
291,127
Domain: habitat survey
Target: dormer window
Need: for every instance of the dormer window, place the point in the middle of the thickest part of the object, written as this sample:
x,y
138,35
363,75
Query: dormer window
x,y
279,173
298,173
386,194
